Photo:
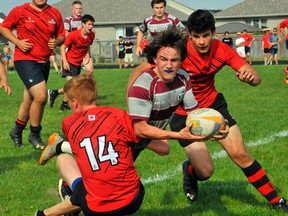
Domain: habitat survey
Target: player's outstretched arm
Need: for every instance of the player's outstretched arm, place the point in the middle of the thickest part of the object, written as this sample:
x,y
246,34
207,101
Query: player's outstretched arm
x,y
146,131
249,75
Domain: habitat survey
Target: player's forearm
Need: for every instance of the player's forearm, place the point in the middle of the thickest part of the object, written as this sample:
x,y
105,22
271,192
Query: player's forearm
x,y
60,40
8,35
151,132
140,36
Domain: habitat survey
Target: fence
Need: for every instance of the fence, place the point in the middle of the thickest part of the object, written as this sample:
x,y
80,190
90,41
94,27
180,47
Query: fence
x,y
104,51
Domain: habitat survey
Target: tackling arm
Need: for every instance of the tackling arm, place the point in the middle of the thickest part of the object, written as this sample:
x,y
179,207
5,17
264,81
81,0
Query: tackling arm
x,y
144,130
249,75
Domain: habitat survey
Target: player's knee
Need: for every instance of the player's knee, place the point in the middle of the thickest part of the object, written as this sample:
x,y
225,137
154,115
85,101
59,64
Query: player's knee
x,y
164,152
205,173
241,158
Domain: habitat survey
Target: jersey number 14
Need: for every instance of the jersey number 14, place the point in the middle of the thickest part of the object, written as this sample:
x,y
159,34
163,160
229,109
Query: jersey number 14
x,y
111,154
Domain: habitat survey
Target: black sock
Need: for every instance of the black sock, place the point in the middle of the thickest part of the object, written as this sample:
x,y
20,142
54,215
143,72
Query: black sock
x,y
40,213
58,149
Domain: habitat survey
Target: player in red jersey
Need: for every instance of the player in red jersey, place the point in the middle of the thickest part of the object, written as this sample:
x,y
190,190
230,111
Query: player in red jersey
x,y
73,23
205,59
102,174
158,22
266,47
39,29
4,82
281,29
249,39
77,44
142,45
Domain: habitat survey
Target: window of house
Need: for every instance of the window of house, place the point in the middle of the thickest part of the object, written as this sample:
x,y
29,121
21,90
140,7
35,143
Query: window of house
x,y
125,32
263,23
256,23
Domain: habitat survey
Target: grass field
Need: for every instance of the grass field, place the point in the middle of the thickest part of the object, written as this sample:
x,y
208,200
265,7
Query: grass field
x,y
261,113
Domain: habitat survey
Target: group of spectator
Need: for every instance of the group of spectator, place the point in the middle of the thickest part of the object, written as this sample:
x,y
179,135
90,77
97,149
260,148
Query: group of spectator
x,y
124,51
244,40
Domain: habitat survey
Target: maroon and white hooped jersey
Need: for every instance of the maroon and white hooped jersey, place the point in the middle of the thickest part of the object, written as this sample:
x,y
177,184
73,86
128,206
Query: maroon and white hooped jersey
x,y
156,26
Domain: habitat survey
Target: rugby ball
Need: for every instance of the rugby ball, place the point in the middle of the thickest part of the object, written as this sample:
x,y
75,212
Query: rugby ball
x,y
206,122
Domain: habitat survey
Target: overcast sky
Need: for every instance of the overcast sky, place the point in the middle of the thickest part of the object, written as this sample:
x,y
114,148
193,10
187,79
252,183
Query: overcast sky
x,y
195,4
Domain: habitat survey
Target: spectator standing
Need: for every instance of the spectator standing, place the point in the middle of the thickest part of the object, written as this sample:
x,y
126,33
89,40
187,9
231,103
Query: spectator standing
x,y
249,40
273,39
266,47
128,59
239,43
7,56
120,49
227,39
39,30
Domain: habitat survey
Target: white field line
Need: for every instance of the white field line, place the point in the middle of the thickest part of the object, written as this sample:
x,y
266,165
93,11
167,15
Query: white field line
x,y
216,155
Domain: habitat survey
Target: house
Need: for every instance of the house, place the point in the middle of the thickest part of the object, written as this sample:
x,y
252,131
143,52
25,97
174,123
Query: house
x,y
121,17
257,13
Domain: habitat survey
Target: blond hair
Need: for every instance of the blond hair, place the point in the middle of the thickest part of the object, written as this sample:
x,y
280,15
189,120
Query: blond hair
x,y
83,88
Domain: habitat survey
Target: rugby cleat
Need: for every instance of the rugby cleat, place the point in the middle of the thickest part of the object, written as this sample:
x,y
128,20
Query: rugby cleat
x,y
282,205
36,141
190,185
50,149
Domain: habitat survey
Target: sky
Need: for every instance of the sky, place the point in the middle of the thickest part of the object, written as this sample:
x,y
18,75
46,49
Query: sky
x,y
195,4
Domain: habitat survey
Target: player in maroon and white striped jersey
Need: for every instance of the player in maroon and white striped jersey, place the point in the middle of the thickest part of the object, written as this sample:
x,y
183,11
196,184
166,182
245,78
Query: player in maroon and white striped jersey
x,y
158,22
156,94
73,22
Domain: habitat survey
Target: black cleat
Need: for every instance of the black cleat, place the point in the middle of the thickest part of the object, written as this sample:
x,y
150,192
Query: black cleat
x,y
64,107
52,95
65,192
16,136
190,185
36,141
282,205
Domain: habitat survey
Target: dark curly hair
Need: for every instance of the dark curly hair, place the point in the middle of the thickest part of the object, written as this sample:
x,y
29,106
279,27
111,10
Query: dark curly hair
x,y
201,20
169,38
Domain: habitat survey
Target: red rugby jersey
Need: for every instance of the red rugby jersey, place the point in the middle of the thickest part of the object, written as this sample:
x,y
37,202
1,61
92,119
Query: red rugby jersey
x,y
78,46
202,71
100,138
248,38
38,27
284,24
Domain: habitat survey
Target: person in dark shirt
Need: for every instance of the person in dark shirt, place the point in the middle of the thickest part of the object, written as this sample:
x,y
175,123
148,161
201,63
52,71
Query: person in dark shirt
x,y
227,39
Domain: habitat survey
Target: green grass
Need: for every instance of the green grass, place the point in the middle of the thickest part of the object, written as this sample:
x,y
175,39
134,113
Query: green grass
x,y
261,113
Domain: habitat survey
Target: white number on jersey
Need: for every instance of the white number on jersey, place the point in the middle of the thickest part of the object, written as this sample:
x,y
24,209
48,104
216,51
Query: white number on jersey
x,y
112,155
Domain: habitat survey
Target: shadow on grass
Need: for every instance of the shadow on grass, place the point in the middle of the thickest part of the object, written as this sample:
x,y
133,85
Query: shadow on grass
x,y
215,198
19,155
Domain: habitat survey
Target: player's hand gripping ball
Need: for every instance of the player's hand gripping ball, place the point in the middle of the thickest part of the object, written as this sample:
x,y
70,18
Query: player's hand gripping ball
x,y
206,122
